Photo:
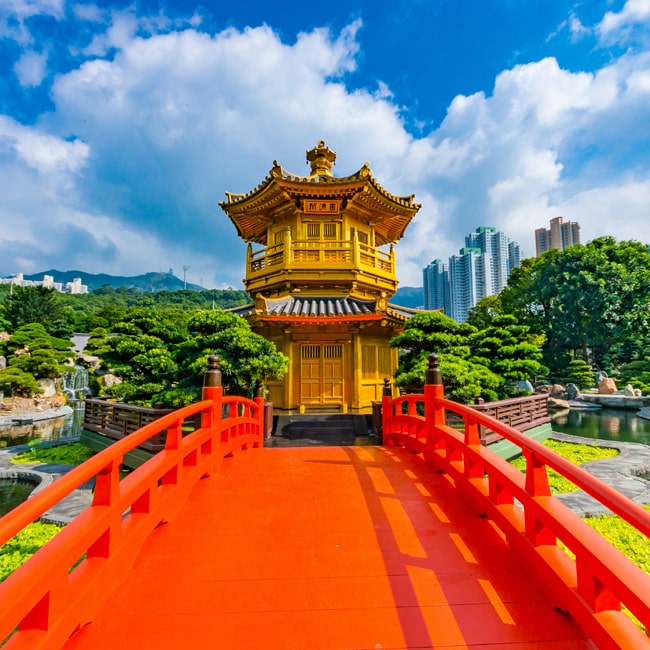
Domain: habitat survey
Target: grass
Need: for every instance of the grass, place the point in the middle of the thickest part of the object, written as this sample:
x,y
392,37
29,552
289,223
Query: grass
x,y
71,454
21,547
574,452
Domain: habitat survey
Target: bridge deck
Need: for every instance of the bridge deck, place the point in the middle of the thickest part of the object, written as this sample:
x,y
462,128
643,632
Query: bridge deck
x,y
327,547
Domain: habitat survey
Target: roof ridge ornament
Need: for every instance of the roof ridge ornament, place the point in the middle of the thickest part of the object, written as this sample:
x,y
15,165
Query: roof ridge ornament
x,y
321,158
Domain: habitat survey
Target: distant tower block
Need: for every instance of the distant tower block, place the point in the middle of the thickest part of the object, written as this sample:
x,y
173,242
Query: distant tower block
x,y
560,235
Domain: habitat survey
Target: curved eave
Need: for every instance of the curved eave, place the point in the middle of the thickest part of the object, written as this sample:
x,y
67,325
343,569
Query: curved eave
x,y
250,212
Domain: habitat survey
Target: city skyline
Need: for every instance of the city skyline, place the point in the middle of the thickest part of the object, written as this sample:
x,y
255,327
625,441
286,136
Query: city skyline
x,y
480,269
122,126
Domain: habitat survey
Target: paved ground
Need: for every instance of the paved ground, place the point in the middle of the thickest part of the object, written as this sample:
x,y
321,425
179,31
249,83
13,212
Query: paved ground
x,y
46,473
621,472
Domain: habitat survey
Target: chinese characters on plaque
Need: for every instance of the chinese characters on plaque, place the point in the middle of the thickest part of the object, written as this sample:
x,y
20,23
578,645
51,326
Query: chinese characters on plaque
x,y
322,207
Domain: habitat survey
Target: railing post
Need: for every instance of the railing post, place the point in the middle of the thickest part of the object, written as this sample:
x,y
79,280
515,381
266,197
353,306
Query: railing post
x,y
261,415
386,407
434,413
212,390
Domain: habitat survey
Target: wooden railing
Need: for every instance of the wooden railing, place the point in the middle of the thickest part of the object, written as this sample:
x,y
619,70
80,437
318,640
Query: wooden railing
x,y
61,588
584,575
116,420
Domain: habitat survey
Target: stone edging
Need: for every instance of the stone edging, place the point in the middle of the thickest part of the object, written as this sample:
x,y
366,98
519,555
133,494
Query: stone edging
x,y
36,416
46,473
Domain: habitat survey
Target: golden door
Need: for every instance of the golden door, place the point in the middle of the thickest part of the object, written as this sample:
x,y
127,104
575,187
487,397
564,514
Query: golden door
x,y
321,374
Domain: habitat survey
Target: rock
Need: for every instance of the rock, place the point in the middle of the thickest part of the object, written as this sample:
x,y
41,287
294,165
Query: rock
x,y
48,387
558,391
606,386
628,391
557,404
601,374
638,392
572,391
544,389
3,363
110,380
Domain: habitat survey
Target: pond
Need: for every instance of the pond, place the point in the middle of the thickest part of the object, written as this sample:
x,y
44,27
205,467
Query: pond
x,y
53,429
13,491
604,424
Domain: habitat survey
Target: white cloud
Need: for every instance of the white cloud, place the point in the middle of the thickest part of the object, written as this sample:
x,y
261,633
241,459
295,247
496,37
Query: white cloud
x,y
125,173
15,13
31,68
623,25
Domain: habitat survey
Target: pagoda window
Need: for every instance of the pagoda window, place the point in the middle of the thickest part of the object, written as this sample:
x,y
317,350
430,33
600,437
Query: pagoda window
x,y
385,369
313,230
362,237
330,231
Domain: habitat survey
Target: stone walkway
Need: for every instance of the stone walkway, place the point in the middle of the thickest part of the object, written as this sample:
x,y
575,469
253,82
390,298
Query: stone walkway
x,y
621,472
47,473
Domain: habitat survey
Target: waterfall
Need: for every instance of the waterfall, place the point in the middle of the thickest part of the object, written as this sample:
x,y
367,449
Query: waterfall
x,y
75,384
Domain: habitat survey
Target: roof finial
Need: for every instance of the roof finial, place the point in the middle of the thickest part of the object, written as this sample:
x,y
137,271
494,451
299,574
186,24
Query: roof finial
x,y
321,158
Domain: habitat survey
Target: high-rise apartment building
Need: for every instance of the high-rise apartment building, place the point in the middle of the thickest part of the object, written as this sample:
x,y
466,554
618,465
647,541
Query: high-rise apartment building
x,y
560,235
436,286
480,269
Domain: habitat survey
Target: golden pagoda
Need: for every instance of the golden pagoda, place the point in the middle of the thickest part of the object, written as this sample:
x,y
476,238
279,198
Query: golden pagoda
x,y
321,274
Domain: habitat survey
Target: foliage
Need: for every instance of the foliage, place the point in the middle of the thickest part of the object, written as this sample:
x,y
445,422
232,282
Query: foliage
x,y
70,454
32,350
20,548
161,356
36,305
585,298
429,332
574,452
246,359
21,383
636,373
509,350
580,373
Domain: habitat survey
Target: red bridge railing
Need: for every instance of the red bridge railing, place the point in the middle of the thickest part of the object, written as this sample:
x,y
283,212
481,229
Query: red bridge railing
x,y
593,579
61,587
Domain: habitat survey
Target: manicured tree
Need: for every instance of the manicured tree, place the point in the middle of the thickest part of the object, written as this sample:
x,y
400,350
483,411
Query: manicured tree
x,y
21,383
32,350
636,373
509,350
429,332
247,359
580,373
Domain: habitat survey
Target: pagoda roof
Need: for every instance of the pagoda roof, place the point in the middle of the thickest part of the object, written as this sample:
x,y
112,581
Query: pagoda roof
x,y
323,308
281,191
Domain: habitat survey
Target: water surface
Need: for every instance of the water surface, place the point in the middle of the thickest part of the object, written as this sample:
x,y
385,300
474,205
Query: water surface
x,y
603,424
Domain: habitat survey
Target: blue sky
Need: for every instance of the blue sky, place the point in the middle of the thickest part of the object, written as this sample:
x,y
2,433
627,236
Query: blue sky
x,y
123,124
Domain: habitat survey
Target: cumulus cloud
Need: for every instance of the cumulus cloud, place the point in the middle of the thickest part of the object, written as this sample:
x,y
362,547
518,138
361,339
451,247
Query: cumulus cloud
x,y
632,21
14,15
31,68
124,174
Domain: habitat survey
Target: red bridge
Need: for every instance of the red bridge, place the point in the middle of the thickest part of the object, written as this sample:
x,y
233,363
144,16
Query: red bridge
x,y
430,541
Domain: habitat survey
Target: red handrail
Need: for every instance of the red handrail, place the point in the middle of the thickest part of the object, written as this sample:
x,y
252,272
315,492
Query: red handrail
x,y
54,593
594,585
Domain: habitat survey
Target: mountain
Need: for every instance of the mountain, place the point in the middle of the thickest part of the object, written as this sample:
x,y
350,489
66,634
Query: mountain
x,y
409,297
147,282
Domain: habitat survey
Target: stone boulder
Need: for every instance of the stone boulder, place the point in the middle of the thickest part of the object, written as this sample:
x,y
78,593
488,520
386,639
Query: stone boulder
x,y
47,386
557,404
572,391
558,391
607,386
629,391
601,374
3,363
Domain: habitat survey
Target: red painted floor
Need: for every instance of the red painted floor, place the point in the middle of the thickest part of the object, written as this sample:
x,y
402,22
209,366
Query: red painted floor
x,y
327,547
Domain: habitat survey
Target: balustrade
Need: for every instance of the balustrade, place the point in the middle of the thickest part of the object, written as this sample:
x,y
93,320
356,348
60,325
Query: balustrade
x,y
582,572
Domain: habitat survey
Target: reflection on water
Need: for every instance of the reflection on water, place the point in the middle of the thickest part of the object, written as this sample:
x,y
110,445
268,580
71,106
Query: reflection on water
x,y
605,424
13,491
54,429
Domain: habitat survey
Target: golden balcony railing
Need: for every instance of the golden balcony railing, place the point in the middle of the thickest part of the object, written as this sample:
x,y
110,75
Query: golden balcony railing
x,y
326,253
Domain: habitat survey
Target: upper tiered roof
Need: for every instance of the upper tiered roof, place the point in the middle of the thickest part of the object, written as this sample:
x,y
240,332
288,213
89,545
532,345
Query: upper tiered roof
x,y
282,193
